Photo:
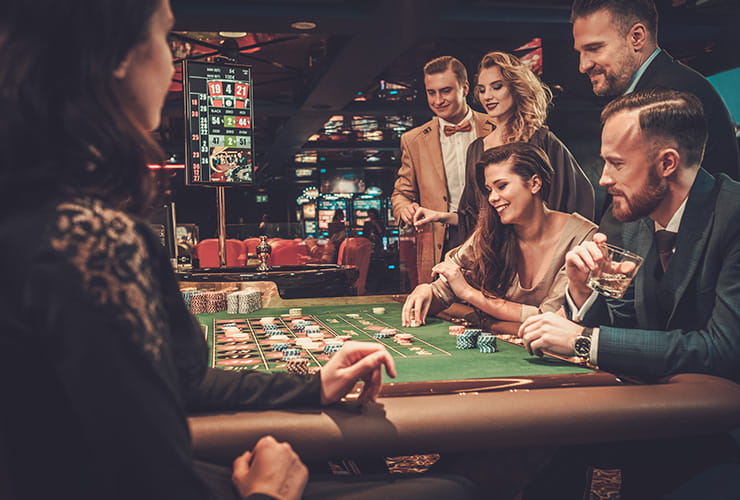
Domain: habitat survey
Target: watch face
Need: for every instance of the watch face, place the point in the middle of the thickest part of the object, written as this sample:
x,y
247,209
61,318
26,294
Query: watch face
x,y
583,346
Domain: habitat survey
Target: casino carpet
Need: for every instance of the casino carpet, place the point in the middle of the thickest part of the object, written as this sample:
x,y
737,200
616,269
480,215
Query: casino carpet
x,y
604,482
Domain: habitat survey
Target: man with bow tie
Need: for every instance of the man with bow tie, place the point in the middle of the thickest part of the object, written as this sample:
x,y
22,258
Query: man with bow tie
x,y
681,313
432,172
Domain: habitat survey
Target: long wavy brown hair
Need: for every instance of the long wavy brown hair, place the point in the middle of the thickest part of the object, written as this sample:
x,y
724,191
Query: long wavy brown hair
x,y
532,98
495,245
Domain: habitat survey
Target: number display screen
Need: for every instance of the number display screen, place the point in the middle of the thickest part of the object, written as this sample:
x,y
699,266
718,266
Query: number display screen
x,y
218,123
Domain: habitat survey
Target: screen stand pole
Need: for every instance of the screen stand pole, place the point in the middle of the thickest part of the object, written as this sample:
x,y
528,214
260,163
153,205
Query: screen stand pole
x,y
221,220
170,225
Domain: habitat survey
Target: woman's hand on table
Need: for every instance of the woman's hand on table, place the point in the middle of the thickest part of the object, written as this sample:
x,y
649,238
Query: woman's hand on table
x,y
416,307
356,361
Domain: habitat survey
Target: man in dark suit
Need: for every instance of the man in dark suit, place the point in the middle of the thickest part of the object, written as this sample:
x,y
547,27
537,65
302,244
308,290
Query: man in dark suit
x,y
681,313
618,45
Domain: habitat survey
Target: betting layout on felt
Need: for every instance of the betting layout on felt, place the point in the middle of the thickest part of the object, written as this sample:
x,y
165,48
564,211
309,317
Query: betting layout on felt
x,y
301,344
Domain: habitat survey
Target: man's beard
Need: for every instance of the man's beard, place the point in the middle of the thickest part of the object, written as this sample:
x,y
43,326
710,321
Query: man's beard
x,y
616,83
645,201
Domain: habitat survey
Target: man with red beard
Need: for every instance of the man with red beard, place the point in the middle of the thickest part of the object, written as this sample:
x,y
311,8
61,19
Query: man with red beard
x,y
681,313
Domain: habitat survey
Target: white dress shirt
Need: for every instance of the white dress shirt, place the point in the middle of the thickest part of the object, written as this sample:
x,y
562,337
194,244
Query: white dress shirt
x,y
454,149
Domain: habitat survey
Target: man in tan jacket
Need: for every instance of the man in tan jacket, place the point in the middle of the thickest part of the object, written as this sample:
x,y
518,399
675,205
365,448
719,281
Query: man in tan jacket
x,y
432,173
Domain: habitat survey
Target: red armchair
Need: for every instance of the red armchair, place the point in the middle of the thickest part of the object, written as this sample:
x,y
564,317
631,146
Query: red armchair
x,y
207,253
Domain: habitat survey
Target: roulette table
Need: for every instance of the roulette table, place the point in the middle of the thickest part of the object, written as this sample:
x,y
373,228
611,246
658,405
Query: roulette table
x,y
428,362
461,400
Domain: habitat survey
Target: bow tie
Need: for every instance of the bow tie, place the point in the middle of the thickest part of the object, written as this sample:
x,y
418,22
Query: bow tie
x,y
463,127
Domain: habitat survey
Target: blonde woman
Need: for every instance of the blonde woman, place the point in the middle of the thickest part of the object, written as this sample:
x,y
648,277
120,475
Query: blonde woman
x,y
516,102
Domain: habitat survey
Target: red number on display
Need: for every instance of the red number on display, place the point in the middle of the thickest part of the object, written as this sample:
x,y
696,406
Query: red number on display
x,y
215,88
241,90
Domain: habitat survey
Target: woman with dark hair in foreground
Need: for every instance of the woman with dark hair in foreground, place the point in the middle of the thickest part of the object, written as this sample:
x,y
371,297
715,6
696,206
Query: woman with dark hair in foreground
x,y
100,360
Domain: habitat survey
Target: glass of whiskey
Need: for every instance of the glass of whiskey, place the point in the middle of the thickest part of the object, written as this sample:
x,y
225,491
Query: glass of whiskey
x,y
615,271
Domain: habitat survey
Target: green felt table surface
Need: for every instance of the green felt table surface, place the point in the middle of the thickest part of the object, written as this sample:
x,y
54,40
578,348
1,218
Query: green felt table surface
x,y
431,356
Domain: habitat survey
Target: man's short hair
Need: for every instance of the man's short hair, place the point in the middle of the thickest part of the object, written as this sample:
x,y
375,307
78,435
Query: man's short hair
x,y
625,13
442,64
667,117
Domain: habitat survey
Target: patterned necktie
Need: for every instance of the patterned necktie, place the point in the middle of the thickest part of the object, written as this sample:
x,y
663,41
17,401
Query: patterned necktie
x,y
463,127
664,241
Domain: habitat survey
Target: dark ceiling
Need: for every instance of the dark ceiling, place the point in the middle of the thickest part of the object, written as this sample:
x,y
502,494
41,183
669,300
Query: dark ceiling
x,y
303,78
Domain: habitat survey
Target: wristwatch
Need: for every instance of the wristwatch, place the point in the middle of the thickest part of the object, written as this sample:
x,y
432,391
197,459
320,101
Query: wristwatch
x,y
583,343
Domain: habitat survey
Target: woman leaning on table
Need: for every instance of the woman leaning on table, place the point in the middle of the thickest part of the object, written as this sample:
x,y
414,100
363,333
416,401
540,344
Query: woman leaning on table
x,y
516,102
100,361
512,266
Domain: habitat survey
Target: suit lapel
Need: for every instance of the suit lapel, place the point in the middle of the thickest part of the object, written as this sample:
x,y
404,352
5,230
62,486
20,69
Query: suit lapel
x,y
434,150
433,147
639,236
692,237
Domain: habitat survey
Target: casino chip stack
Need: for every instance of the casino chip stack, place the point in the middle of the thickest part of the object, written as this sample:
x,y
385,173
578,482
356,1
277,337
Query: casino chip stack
x,y
280,346
315,336
311,329
198,303
291,352
244,301
233,331
232,303
272,330
187,294
297,365
295,312
385,333
468,339
403,338
331,348
456,330
215,301
487,343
